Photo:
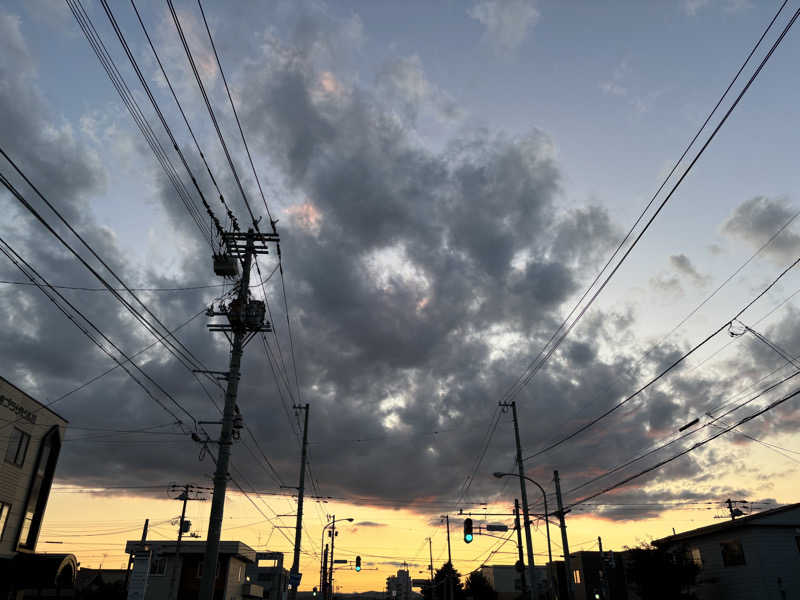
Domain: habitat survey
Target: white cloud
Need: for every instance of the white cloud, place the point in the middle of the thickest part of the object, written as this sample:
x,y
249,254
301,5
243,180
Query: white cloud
x,y
506,21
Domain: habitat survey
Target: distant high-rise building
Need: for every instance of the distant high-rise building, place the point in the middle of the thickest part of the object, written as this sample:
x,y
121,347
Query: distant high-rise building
x,y
398,587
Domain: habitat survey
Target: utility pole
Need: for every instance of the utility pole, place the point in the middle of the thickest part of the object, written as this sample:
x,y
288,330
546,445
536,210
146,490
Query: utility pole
x,y
564,542
430,566
332,533
448,583
449,555
184,496
524,493
245,320
323,577
604,573
523,581
294,574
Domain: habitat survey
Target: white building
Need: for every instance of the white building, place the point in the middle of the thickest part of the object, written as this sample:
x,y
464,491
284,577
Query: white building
x,y
756,557
160,573
30,442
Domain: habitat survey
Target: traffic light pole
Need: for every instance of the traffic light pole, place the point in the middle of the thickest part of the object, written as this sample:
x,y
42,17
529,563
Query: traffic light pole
x,y
295,570
523,581
564,542
524,493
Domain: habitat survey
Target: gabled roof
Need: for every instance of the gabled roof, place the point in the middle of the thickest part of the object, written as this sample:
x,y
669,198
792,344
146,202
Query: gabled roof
x,y
748,521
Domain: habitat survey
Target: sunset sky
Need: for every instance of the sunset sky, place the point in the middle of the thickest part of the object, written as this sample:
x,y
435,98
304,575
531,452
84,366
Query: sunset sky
x,y
448,178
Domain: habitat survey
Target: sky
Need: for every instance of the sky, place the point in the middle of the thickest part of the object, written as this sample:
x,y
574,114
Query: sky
x,y
447,178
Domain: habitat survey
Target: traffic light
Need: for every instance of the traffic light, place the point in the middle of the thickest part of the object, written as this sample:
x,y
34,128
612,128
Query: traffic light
x,y
314,591
468,530
358,563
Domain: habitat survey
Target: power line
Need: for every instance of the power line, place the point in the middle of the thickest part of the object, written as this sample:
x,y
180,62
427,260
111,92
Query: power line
x,y
543,356
31,273
104,373
675,363
166,126
108,64
191,288
210,109
697,445
231,216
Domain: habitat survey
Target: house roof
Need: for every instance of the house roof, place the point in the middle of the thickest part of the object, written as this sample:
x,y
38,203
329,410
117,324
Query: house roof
x,y
32,399
749,520
166,547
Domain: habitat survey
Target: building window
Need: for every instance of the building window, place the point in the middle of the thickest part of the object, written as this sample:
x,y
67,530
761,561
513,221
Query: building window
x,y
17,447
4,509
696,557
200,570
39,490
576,575
158,566
732,553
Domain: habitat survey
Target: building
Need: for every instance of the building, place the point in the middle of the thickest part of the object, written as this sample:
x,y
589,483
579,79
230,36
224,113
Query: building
x,y
30,442
100,581
756,557
268,573
507,581
159,572
598,575
398,586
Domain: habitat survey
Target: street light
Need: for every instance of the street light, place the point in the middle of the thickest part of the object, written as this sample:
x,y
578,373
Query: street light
x,y
321,544
500,475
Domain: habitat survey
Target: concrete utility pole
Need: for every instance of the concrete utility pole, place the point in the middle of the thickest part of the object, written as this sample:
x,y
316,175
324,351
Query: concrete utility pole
x,y
519,549
524,493
323,577
184,496
430,566
449,582
564,542
294,573
245,320
332,533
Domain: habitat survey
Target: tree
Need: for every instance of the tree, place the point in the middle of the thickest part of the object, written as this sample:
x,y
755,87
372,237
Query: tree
x,y
479,587
660,575
440,582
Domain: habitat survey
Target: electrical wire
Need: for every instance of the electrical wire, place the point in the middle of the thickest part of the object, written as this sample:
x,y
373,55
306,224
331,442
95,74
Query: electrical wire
x,y
543,355
674,364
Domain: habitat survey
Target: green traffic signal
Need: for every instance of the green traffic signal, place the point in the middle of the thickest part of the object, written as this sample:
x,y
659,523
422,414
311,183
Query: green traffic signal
x,y
468,530
358,563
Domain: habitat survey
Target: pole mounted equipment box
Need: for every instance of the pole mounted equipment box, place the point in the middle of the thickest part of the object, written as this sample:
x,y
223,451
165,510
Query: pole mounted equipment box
x,y
226,265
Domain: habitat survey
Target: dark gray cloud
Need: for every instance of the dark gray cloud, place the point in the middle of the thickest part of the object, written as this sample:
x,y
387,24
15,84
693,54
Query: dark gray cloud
x,y
420,284
684,266
756,220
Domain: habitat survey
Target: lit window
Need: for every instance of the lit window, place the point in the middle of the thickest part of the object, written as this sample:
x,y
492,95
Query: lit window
x,y
696,557
17,447
4,509
576,575
732,553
